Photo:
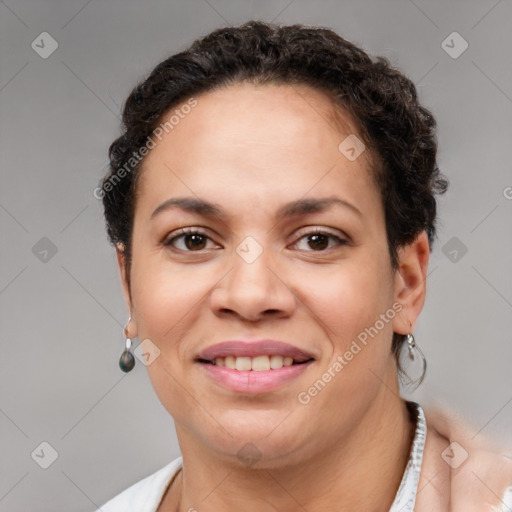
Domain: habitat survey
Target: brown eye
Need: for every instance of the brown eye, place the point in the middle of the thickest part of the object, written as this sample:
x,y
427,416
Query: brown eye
x,y
188,241
195,241
320,241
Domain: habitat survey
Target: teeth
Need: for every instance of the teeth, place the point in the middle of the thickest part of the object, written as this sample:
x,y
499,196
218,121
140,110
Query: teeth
x,y
243,363
229,362
258,363
276,362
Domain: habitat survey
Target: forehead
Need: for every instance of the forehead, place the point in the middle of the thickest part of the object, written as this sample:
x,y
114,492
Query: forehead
x,y
254,138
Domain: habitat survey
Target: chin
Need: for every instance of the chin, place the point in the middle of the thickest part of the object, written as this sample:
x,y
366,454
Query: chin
x,y
261,453
256,440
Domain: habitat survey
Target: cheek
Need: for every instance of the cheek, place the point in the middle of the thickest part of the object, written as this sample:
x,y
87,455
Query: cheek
x,y
168,302
349,299
166,298
348,307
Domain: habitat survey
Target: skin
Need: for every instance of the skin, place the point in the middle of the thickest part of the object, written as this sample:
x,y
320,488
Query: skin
x,y
250,149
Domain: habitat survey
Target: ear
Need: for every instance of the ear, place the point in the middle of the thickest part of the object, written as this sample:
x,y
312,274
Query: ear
x,y
410,282
123,271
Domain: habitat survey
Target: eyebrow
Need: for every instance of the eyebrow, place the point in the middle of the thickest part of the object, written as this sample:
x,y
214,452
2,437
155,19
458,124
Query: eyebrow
x,y
302,206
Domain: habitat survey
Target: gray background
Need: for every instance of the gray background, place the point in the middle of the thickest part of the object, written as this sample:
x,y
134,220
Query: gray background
x,y
62,314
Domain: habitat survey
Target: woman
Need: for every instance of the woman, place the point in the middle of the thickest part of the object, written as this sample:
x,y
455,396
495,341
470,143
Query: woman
x,y
272,204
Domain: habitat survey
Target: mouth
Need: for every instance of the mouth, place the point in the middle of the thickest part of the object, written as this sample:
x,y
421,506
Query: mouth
x,y
254,367
258,355
259,363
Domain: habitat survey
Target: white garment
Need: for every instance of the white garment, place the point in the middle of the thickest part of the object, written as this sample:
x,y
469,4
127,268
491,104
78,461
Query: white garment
x,y
146,494
406,495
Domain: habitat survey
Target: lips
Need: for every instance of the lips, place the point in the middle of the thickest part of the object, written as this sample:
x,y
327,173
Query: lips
x,y
253,367
253,349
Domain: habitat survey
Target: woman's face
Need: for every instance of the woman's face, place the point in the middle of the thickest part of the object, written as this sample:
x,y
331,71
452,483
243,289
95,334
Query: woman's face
x,y
268,160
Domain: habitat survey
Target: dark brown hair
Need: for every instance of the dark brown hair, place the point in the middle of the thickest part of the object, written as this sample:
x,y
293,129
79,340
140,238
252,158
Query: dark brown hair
x,y
398,131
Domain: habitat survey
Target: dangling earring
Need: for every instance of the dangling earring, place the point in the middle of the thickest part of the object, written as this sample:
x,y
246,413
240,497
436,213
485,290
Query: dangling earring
x,y
127,361
413,365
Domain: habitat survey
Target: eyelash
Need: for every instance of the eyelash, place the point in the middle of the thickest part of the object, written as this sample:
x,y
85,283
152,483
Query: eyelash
x,y
193,231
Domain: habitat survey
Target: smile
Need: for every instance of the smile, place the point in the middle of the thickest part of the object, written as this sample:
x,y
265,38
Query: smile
x,y
258,364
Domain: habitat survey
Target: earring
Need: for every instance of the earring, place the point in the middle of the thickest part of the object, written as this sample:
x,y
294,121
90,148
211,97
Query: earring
x,y
413,365
127,361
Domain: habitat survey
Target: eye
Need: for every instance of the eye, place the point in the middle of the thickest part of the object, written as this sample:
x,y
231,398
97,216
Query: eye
x,y
319,240
192,240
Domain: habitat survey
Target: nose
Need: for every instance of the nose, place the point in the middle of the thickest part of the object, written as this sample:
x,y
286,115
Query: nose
x,y
253,291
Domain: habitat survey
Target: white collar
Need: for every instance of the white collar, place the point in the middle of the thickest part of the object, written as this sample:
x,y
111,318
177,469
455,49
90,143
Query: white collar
x,y
406,496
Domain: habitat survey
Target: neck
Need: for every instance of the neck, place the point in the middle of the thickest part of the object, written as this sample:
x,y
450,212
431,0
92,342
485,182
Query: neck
x,y
362,471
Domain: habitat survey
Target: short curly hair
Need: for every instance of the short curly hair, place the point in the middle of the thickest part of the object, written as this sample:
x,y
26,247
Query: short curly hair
x,y
397,130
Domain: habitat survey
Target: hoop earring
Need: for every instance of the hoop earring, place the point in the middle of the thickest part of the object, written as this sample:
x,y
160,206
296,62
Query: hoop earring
x,y
127,361
412,363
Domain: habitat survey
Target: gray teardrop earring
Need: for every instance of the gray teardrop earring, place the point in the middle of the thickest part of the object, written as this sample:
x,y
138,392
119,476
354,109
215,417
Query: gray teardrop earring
x,y
127,361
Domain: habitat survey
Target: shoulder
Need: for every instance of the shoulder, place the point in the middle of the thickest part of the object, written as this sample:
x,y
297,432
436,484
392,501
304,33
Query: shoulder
x,y
463,470
146,494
